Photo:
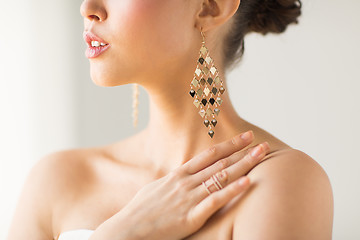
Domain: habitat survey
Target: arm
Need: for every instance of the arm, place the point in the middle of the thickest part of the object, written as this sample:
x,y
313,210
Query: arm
x,y
291,199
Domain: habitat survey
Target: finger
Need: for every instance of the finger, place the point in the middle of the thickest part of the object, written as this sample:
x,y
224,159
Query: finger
x,y
243,166
218,151
218,199
219,165
221,178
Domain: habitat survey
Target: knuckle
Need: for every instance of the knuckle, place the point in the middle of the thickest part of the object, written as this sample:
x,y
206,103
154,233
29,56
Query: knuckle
x,y
186,182
213,202
178,186
183,220
182,184
182,170
233,190
234,141
249,150
193,223
223,163
185,168
248,157
223,176
236,156
174,175
237,140
212,150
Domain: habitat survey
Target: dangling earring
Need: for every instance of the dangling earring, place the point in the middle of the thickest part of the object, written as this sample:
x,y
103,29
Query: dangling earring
x,y
135,104
208,81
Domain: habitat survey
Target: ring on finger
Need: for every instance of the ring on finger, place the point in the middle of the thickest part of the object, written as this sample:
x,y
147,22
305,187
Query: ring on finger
x,y
206,188
217,182
212,181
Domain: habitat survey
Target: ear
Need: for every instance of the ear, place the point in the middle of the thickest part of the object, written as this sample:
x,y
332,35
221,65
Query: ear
x,y
213,13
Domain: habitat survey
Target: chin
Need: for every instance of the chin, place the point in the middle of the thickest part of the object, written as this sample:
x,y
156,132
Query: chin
x,y
103,78
104,82
109,76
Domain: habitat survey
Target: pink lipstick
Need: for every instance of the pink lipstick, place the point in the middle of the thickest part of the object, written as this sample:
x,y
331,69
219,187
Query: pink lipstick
x,y
96,45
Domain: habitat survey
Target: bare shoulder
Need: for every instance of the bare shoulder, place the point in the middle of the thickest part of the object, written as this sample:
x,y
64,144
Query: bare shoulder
x,y
53,175
290,197
66,170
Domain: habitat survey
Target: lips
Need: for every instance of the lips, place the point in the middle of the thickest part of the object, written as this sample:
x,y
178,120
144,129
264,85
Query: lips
x,y
92,52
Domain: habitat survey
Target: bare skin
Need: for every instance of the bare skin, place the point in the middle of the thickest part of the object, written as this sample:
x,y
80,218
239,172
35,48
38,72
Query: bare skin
x,y
155,43
130,175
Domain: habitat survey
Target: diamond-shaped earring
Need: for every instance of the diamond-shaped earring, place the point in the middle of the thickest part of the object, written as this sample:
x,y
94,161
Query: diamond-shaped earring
x,y
206,86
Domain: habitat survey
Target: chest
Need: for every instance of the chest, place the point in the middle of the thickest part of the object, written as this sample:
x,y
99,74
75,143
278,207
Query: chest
x,y
106,200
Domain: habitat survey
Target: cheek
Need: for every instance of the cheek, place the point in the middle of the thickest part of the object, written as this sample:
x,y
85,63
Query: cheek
x,y
151,33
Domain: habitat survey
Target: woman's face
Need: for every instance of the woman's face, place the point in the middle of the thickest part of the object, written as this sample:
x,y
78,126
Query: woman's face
x,y
147,38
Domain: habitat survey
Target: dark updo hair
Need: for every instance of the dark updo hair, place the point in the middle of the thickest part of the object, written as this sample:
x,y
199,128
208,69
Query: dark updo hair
x,y
261,16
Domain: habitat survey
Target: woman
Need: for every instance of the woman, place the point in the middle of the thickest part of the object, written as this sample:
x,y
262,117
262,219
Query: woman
x,y
177,179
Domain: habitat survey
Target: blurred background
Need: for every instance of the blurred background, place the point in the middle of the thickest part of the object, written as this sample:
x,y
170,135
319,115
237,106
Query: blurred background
x,y
302,86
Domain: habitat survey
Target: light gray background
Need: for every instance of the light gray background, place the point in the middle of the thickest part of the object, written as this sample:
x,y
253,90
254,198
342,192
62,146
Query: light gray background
x,y
301,86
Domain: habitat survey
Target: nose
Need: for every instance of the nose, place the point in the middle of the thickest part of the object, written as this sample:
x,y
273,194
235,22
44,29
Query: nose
x,y
93,10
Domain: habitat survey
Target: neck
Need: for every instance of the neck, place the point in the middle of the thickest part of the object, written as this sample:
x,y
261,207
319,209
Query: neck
x,y
175,131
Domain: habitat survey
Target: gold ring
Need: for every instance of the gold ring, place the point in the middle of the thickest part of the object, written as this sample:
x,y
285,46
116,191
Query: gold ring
x,y
213,180
217,182
206,187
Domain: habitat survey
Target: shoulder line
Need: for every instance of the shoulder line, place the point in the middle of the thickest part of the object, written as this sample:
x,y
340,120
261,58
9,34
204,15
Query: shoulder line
x,y
288,190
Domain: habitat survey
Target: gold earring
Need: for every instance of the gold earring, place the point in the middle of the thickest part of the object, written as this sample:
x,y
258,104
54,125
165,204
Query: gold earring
x,y
135,104
207,81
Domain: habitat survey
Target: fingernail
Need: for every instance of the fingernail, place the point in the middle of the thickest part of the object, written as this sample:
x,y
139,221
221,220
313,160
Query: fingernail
x,y
256,151
246,135
266,145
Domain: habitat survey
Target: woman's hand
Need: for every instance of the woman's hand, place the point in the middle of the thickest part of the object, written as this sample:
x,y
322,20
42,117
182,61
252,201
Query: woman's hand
x,y
179,203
